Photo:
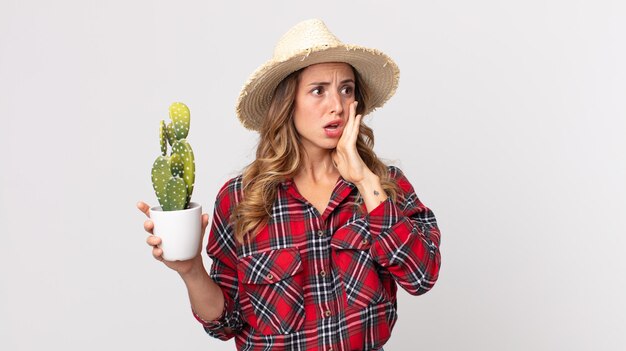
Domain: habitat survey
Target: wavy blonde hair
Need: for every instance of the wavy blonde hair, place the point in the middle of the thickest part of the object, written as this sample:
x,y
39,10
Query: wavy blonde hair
x,y
279,156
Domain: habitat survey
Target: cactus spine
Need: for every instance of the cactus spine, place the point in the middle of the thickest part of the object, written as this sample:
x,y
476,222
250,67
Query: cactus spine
x,y
173,176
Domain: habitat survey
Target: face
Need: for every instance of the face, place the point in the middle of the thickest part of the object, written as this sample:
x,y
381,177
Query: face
x,y
323,96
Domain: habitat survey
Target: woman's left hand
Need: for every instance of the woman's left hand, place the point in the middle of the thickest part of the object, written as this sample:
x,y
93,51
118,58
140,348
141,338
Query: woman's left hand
x,y
346,157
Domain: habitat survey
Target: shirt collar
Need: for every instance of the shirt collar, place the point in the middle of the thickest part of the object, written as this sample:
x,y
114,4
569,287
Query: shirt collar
x,y
285,184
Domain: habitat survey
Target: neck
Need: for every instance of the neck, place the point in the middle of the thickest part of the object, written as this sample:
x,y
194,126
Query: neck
x,y
317,167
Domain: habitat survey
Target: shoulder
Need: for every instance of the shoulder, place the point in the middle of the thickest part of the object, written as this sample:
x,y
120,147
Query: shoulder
x,y
233,185
393,171
398,176
230,193
408,196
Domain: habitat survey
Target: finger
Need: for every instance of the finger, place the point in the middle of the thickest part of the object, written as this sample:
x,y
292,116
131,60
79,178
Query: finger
x,y
357,127
153,240
351,114
352,131
352,119
345,134
148,226
157,253
205,221
143,207
353,109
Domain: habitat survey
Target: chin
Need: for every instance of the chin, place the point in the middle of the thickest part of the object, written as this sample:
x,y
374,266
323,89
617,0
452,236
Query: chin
x,y
324,143
330,145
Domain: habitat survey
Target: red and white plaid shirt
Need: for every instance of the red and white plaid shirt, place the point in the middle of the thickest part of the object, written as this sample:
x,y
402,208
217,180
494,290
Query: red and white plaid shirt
x,y
311,281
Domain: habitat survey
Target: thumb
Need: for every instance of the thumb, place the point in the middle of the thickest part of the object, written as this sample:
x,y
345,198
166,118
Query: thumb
x,y
205,221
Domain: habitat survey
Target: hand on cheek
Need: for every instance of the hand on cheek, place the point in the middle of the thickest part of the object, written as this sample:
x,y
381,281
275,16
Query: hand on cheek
x,y
345,156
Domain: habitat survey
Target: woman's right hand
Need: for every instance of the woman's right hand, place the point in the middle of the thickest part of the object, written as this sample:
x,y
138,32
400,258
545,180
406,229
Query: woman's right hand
x,y
182,267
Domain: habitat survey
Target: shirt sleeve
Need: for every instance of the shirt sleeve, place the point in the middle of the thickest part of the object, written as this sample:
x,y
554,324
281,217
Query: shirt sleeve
x,y
221,249
405,238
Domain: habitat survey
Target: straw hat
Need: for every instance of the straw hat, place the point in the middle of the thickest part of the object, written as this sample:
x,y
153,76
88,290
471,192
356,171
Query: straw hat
x,y
307,43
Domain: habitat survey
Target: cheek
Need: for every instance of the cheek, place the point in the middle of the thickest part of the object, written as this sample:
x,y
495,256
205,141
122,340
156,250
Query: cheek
x,y
303,121
348,102
300,124
297,123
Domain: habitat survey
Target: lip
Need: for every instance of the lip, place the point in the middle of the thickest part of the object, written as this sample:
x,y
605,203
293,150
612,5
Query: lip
x,y
338,122
334,133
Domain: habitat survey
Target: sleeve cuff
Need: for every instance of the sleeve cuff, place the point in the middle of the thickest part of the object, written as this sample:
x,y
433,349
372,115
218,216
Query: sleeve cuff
x,y
218,323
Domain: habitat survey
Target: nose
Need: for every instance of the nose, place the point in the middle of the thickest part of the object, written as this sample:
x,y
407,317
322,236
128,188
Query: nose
x,y
336,104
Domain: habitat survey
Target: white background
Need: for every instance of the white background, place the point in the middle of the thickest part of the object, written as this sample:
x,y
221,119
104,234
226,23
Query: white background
x,y
509,122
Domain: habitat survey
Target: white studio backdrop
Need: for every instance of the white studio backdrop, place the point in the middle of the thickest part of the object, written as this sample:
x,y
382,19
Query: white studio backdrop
x,y
509,121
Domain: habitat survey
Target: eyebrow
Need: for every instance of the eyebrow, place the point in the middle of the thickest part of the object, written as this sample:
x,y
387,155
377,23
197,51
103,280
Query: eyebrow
x,y
328,83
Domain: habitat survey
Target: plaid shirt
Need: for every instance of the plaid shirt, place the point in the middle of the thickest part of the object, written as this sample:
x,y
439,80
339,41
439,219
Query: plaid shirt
x,y
311,281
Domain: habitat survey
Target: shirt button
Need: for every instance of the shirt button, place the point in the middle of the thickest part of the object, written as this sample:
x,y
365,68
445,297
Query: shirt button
x,y
364,242
270,276
327,313
320,233
323,274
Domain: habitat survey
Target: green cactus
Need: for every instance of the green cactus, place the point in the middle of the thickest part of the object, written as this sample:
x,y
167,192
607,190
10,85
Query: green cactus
x,y
177,165
173,176
163,138
176,194
182,148
161,174
169,133
179,113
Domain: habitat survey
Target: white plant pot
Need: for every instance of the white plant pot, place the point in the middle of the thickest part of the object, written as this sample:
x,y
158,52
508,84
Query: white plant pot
x,y
180,231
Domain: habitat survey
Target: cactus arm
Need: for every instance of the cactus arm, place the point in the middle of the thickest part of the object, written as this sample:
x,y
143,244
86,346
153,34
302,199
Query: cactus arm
x,y
163,138
182,148
161,173
177,165
176,194
179,113
169,132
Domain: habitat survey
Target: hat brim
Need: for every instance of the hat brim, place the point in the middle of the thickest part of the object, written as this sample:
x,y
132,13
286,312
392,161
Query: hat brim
x,y
379,72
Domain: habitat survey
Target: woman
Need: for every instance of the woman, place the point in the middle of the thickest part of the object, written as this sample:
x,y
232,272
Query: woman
x,y
308,243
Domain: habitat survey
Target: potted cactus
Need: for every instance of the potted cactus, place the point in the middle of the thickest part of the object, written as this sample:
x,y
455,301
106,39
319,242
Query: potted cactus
x,y
177,221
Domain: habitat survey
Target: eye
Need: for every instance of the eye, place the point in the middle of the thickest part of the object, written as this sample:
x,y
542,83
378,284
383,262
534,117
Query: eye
x,y
347,90
317,90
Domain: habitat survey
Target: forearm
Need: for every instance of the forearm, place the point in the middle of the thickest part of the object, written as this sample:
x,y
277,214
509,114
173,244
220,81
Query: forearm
x,y
205,296
372,191
405,237
406,243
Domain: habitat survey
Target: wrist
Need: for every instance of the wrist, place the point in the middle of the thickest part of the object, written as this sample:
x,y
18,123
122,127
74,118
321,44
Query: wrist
x,y
372,191
195,272
369,181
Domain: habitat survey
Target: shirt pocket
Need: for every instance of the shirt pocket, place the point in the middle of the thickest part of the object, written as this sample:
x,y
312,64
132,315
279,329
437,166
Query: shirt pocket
x,y
273,281
350,250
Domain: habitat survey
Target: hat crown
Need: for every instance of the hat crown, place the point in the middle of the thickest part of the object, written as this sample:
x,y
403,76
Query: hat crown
x,y
304,36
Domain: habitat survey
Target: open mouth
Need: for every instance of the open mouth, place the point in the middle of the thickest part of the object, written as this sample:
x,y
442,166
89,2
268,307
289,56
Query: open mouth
x,y
333,124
